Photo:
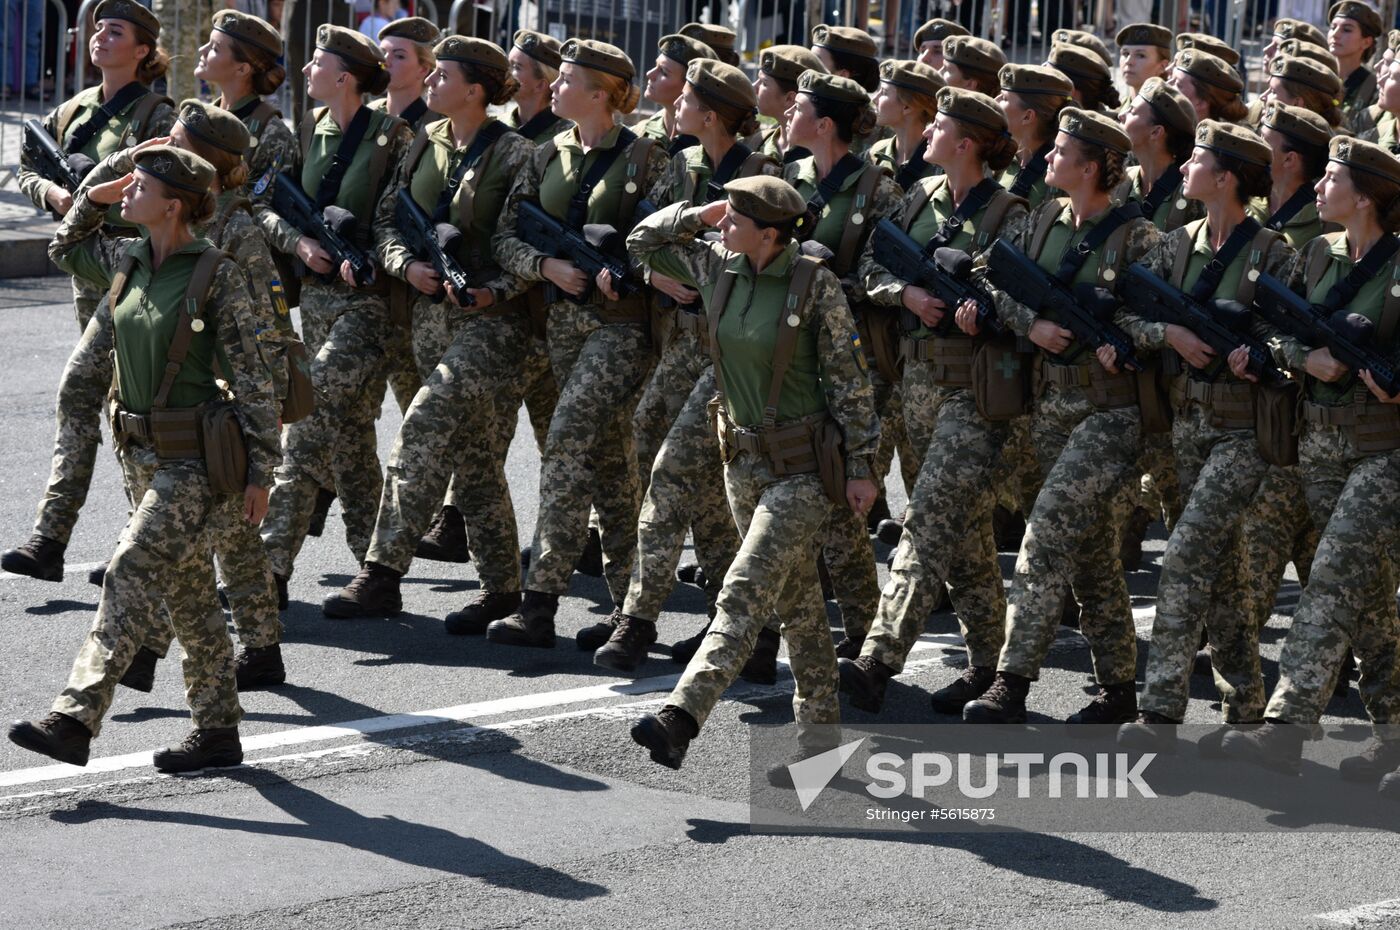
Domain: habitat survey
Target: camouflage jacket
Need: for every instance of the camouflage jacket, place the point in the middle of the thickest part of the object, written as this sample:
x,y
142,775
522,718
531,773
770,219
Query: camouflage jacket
x,y
841,211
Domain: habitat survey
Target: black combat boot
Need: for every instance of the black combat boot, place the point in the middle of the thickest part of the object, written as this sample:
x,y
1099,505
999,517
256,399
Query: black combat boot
x,y
281,582
446,539
1114,704
202,749
1150,732
480,612
324,499
57,736
1007,528
1069,612
373,592
849,647
591,638
259,667
40,558
590,560
667,734
864,679
692,574
626,649
1130,548
1004,701
1379,757
762,666
140,675
890,531
532,625
969,686
878,514
1276,745
98,575
683,651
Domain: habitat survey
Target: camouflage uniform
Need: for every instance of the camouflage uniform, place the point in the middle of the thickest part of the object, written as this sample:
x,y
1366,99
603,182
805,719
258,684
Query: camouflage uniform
x,y
599,366
346,328
162,558
1220,471
883,154
470,375
948,530
849,554
1356,106
782,519
1088,457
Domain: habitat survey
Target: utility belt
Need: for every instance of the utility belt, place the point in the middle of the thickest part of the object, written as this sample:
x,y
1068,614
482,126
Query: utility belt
x,y
633,308
210,433
1105,391
694,324
1370,425
811,445
878,328
951,358
1232,404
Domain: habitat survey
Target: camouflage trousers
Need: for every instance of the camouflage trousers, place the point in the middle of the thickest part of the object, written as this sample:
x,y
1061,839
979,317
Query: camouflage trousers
x,y
401,368
1220,470
85,301
443,431
1088,458
335,446
185,26
1019,477
1350,597
161,565
589,457
894,437
686,491
666,391
774,574
919,406
1161,488
947,535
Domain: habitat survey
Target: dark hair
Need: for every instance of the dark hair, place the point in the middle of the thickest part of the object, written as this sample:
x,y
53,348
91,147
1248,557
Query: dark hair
x,y
1383,193
863,69
1314,156
852,119
737,121
231,168
369,80
268,75
1098,93
997,149
1046,108
1252,180
1225,105
157,60
196,208
987,81
498,85
1112,165
923,102
1180,141
1318,101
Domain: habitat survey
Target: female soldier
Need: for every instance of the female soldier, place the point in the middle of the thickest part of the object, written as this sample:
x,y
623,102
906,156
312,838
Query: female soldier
x,y
674,54
534,64
594,172
471,346
793,346
1212,85
849,197
1210,45
1144,51
972,63
166,363
775,88
346,156
849,53
408,57
948,522
1032,97
1349,456
1302,82
119,112
1093,82
903,106
928,40
1086,429
1352,35
1216,258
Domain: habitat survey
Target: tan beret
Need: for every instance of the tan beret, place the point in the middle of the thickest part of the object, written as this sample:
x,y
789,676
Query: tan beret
x,y
846,39
1392,40
130,11
473,52
250,30
413,28
787,62
1298,48
973,53
969,106
936,30
832,87
1365,156
598,56
723,85
1311,74
1234,142
180,169
1035,79
1145,34
912,75
352,46
1095,129
1169,105
1209,69
719,38
1210,44
1299,124
766,200
1079,64
1298,29
543,48
683,49
1086,40
214,125
1365,15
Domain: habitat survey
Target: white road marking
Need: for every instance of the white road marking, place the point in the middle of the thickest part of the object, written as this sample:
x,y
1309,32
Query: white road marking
x,y
77,568
460,713
1365,915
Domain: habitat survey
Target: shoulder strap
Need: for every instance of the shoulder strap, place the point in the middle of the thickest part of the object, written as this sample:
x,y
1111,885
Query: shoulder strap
x,y
786,345
1111,265
714,310
537,123
1109,234
1032,173
1390,318
479,153
923,193
216,232
143,111
909,171
119,279
64,117
753,165
416,149
379,158
1258,250
105,114
1318,261
262,114
853,233
1344,291
308,128
977,198
1301,197
636,180
196,294
577,214
995,214
1214,270
829,185
1050,212
1183,255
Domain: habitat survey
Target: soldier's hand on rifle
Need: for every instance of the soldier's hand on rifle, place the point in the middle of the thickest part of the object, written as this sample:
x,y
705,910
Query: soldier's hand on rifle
x,y
347,274
604,280
106,194
1322,366
1377,390
565,275
312,255
475,298
1053,339
923,305
1189,346
424,277
1108,358
1239,364
673,288
966,317
59,199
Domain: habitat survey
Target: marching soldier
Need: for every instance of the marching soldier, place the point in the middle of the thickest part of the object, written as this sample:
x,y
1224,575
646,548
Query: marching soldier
x,y
775,88
928,40
1353,35
1211,84
720,39
1092,79
972,63
1302,82
674,53
1144,52
904,106
534,64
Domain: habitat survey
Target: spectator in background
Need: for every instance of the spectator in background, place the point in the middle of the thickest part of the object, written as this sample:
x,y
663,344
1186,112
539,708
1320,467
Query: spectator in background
x,y
21,48
385,12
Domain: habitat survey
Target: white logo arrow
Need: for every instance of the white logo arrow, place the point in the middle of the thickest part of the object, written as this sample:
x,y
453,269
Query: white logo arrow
x,y
811,776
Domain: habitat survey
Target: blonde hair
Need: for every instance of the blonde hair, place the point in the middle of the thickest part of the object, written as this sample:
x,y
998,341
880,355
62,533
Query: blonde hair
x,y
623,96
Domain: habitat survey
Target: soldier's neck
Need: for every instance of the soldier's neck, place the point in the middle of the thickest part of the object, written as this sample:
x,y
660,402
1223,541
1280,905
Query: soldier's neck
x,y
906,140
231,93
167,239
344,108
465,125
401,99
1284,187
717,143
827,152
1153,162
593,128
963,176
1222,216
114,79
1363,231
531,108
1084,204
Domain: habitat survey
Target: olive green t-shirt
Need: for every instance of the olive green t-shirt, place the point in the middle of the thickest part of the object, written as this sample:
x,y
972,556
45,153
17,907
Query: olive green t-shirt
x,y
1369,302
571,165
355,193
441,158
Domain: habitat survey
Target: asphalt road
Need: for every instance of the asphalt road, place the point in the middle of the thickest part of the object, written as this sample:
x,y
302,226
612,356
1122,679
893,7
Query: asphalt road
x,y
404,778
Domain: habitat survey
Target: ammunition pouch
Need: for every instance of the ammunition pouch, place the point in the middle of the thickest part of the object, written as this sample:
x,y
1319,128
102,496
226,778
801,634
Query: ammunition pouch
x,y
1371,425
1000,376
811,445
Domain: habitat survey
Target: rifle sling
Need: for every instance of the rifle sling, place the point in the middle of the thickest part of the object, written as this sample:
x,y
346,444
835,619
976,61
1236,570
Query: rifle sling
x,y
1344,291
1032,172
909,171
1076,255
829,185
1303,196
1214,270
329,188
577,214
103,115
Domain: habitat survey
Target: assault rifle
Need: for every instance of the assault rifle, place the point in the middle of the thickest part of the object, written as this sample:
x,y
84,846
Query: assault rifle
x,y
333,227
49,160
433,243
946,275
591,249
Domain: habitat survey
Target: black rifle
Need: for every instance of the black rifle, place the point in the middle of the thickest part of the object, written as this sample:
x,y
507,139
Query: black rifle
x,y
946,274
592,249
49,159
1081,310
433,244
1345,335
1223,324
333,227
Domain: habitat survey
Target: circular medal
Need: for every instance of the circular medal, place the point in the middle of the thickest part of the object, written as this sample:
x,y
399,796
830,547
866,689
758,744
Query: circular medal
x,y
631,187
252,142
1395,290
1254,274
197,325
793,319
382,140
1181,204
826,211
471,173
1109,274
857,219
